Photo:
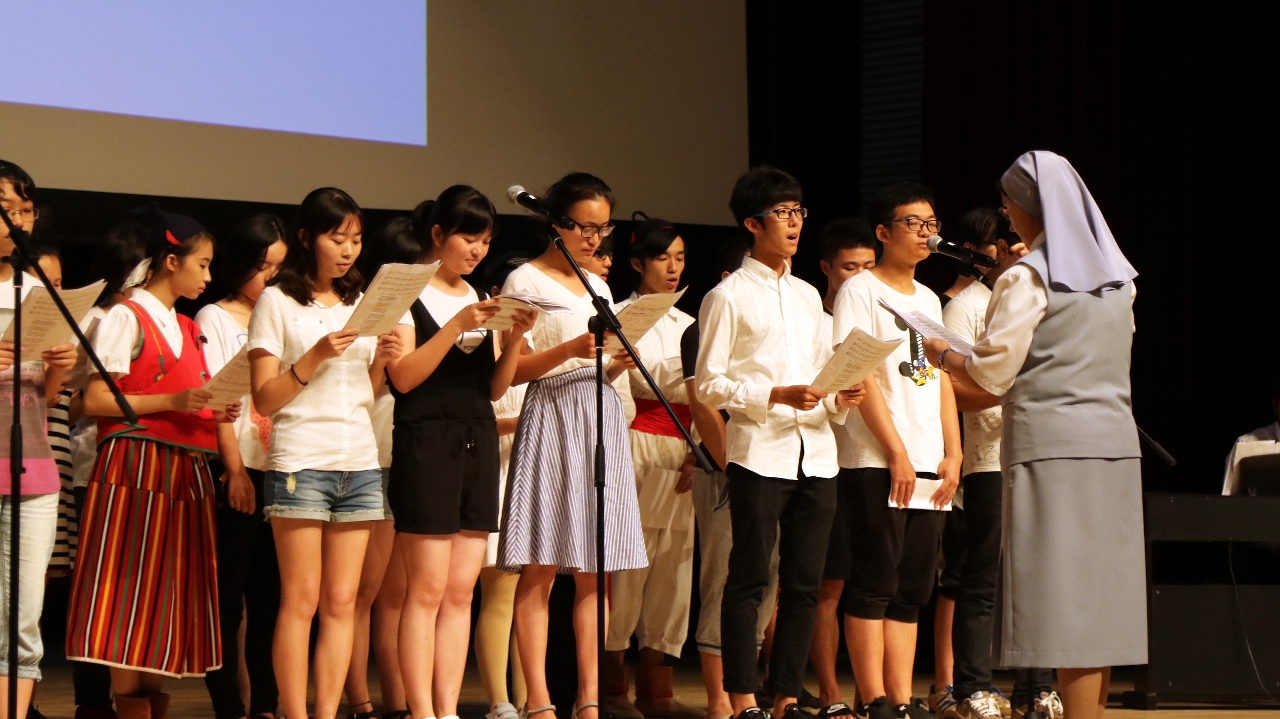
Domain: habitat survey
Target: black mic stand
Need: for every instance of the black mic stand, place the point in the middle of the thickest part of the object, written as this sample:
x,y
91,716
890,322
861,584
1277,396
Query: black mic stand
x,y
20,259
602,321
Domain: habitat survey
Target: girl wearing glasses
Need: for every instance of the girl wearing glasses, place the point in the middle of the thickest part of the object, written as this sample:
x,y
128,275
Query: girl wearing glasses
x,y
548,523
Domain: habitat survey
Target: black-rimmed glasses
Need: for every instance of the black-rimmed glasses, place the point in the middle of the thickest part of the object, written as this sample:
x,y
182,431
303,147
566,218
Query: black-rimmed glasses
x,y
785,213
915,224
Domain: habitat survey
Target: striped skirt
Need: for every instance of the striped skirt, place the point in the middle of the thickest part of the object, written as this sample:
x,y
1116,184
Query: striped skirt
x,y
145,592
549,512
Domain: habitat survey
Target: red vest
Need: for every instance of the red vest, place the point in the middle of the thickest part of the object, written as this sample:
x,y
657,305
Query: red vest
x,y
156,371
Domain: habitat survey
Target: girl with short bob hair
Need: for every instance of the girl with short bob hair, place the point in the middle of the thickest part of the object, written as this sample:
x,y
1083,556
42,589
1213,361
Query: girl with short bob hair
x,y
316,381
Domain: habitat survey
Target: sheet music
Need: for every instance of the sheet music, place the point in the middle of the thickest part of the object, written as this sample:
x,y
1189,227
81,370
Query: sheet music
x,y
510,303
231,384
857,356
43,326
920,497
929,329
640,316
389,297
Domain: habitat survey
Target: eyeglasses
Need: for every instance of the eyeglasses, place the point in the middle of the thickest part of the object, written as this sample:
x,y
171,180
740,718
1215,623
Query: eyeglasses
x,y
785,213
589,231
31,214
915,224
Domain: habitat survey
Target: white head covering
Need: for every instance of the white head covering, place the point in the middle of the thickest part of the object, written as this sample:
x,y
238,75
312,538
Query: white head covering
x,y
1079,249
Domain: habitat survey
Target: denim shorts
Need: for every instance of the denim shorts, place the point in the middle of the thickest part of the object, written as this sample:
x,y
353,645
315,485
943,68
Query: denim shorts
x,y
324,495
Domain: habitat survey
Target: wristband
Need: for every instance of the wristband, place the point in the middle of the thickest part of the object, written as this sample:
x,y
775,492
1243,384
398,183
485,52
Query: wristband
x,y
294,372
942,360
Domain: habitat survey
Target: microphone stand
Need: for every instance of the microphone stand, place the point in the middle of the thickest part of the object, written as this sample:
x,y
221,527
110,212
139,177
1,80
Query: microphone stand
x,y
603,320
20,259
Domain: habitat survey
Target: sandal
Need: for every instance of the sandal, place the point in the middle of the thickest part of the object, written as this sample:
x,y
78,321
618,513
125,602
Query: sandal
x,y
397,714
525,712
353,714
585,705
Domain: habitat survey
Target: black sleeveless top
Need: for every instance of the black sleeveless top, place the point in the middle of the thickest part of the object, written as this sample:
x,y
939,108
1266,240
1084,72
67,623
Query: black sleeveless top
x,y
459,388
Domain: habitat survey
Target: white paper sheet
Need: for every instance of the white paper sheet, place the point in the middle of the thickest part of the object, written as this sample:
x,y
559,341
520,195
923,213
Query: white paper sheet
x,y
509,304
231,384
43,326
924,491
640,316
929,329
1241,451
857,356
389,297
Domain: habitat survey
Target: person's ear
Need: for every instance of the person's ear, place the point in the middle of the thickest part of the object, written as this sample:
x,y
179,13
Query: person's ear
x,y
302,238
1002,249
437,236
172,262
636,265
825,267
725,275
882,233
753,225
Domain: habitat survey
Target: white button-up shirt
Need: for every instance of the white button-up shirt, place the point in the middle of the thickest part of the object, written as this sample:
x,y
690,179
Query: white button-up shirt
x,y
758,331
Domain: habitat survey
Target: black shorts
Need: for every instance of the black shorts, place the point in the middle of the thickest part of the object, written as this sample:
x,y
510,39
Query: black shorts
x,y
839,552
444,476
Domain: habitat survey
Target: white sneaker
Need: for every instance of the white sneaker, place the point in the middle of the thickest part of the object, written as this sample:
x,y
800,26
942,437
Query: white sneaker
x,y
1050,705
503,710
979,705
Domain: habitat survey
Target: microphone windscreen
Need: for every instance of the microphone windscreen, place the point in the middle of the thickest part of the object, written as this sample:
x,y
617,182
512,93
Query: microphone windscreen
x,y
934,242
513,192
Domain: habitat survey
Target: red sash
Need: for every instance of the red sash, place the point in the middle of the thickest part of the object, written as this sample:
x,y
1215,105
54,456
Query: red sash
x,y
156,371
651,418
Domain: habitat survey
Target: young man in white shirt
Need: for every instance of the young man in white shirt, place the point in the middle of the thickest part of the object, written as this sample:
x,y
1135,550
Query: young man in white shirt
x,y
847,246
904,443
761,345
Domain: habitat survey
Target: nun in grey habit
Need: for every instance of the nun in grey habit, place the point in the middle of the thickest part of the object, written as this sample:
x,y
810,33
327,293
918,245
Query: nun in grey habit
x,y
1057,352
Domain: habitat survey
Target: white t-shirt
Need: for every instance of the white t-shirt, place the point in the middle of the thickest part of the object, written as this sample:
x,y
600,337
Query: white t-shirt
x,y
226,337
328,425
553,330
84,434
443,307
119,334
383,417
966,316
844,444
914,398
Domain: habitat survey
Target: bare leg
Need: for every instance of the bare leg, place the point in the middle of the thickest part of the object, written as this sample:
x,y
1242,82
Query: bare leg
x,y
382,535
826,640
493,632
25,689
384,623
453,623
532,593
342,546
585,632
943,658
865,638
713,677
1084,692
426,564
899,658
299,555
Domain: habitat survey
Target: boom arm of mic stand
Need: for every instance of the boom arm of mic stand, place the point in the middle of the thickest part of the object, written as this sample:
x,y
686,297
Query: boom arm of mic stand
x,y
611,323
19,237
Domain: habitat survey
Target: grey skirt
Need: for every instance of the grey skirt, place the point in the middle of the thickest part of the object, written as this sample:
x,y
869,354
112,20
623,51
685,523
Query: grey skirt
x,y
1073,590
549,512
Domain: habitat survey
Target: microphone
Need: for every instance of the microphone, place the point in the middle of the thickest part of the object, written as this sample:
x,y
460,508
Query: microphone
x,y
964,254
538,206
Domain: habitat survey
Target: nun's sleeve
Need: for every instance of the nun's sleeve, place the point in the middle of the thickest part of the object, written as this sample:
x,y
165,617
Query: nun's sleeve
x,y
1018,303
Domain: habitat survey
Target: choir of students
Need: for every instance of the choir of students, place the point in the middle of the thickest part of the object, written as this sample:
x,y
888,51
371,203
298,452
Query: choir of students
x,y
371,483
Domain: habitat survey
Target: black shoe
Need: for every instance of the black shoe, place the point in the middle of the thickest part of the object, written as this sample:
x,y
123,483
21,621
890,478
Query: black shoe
x,y
795,711
839,709
34,713
808,701
1033,714
917,709
764,695
753,713
881,709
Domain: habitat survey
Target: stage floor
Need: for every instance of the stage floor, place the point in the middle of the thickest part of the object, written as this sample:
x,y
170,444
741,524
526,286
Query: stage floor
x,y
190,701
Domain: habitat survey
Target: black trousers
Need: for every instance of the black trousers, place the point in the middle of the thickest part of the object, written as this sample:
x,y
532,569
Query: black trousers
x,y
978,573
895,552
248,578
760,507
1027,685
91,682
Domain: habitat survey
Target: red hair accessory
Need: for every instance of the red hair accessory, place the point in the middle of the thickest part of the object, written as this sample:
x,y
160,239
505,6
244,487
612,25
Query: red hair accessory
x,y
172,240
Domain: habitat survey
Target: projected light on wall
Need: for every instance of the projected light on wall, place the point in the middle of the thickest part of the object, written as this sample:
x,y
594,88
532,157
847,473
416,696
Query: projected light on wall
x,y
321,67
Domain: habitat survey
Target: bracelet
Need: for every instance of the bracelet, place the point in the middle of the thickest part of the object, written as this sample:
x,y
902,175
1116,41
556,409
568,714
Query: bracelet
x,y
294,372
942,360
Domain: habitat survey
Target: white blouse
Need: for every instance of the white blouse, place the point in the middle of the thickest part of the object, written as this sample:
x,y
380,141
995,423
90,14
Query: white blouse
x,y
328,425
226,337
119,332
552,330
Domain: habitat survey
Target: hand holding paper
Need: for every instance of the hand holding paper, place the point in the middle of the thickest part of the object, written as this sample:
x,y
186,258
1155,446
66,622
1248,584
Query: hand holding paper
x,y
640,316
231,384
929,329
511,303
389,297
43,326
857,356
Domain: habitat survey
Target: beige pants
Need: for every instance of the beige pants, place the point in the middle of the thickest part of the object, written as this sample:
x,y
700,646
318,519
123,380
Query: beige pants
x,y
653,602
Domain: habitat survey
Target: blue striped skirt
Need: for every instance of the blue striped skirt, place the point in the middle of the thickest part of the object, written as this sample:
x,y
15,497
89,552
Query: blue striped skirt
x,y
549,512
